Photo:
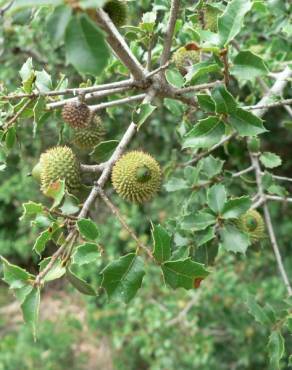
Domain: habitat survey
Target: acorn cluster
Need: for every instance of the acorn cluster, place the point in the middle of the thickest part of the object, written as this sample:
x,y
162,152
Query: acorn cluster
x,y
58,163
253,224
186,56
136,176
76,114
117,11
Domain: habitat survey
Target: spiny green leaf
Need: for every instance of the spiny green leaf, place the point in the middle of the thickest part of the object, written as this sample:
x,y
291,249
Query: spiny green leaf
x,y
162,244
85,253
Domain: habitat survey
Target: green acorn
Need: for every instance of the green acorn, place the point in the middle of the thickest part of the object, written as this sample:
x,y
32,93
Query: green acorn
x,y
59,163
76,114
136,176
36,172
211,14
117,11
186,56
253,224
89,137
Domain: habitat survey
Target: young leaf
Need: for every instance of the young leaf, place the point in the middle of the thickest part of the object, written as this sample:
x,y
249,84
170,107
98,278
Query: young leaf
x,y
234,208
216,197
41,241
183,273
86,49
162,244
85,253
43,81
81,285
30,309
276,348
31,210
270,160
206,133
230,22
234,240
88,229
122,278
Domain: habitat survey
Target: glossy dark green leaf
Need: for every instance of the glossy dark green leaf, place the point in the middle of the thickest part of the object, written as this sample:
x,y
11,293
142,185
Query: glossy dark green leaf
x,y
161,244
217,197
233,240
81,285
234,208
88,229
30,310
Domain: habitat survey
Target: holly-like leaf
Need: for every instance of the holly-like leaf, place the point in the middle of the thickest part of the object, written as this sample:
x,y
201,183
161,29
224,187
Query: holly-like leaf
x,y
211,166
183,273
30,310
81,285
206,102
198,221
230,22
122,278
246,123
174,77
88,229
85,253
176,184
233,240
257,311
224,101
41,241
103,150
162,244
216,198
86,49
31,210
15,276
206,133
247,66
142,112
270,160
234,208
276,349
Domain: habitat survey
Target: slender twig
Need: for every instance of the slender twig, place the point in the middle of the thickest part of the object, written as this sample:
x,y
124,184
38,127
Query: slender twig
x,y
279,199
224,55
82,90
270,105
281,178
5,8
175,4
119,45
183,313
70,239
15,117
113,103
89,96
209,151
243,172
95,168
205,86
117,213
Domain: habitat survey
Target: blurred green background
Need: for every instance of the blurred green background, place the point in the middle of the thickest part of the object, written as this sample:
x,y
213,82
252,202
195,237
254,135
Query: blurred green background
x,y
156,331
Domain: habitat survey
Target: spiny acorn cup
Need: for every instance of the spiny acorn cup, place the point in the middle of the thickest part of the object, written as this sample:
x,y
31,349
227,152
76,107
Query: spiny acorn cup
x,y
186,56
89,137
136,176
36,172
59,163
210,17
253,224
117,11
76,114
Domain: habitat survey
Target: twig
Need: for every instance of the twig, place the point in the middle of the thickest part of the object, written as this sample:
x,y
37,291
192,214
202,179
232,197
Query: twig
x,y
119,45
243,172
129,99
205,86
95,168
5,8
14,118
279,199
82,90
224,55
281,178
88,96
117,213
270,105
175,4
209,151
181,316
